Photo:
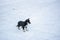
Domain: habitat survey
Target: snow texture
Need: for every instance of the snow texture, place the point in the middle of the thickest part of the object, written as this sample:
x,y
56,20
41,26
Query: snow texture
x,y
44,16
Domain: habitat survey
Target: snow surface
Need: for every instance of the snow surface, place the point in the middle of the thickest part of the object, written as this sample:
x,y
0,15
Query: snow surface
x,y
44,16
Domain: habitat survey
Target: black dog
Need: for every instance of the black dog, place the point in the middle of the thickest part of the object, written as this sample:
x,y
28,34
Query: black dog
x,y
23,24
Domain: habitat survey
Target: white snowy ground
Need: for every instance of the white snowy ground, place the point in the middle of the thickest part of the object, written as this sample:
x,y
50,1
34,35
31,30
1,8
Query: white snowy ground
x,y
44,16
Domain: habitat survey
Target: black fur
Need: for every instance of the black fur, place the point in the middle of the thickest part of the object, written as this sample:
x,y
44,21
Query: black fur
x,y
23,24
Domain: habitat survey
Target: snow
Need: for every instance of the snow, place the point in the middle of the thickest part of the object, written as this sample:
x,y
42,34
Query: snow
x,y
44,16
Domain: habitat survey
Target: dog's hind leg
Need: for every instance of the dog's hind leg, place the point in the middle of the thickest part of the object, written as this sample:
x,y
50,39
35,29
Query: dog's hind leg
x,y
18,28
23,28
